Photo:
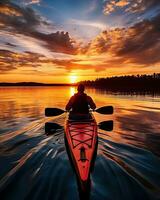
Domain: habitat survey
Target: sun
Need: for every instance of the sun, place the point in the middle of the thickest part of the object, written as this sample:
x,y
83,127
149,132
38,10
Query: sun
x,y
73,78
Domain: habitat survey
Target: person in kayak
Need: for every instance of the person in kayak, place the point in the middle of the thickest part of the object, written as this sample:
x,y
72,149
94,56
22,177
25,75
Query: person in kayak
x,y
80,103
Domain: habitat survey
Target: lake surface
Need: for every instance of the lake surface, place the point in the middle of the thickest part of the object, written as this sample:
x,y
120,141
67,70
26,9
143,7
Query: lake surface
x,y
36,166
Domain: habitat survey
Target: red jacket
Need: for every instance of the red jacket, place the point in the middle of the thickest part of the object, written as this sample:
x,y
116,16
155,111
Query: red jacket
x,y
80,103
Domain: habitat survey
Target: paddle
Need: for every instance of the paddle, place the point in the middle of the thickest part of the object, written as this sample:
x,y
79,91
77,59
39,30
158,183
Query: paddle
x,y
105,110
106,125
51,128
49,112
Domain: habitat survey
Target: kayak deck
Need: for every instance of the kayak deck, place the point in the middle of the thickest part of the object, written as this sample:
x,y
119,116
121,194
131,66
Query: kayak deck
x,y
82,139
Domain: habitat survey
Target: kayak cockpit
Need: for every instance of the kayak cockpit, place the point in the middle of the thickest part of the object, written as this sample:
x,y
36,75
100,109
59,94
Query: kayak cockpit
x,y
80,117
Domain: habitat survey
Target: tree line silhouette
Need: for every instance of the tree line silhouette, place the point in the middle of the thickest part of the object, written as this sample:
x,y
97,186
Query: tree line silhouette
x,y
130,83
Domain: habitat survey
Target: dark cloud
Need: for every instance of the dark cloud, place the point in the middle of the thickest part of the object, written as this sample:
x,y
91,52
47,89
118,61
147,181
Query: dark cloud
x,y
20,18
6,61
142,42
138,44
57,42
26,21
11,60
10,44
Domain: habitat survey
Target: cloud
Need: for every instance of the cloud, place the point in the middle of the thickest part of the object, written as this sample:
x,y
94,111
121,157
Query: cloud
x,y
122,3
111,5
10,61
130,6
22,43
57,42
29,2
138,44
24,20
20,19
10,44
140,6
97,25
75,64
5,62
7,9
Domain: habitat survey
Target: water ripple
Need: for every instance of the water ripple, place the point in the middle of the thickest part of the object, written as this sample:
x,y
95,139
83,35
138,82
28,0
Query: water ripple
x,y
36,166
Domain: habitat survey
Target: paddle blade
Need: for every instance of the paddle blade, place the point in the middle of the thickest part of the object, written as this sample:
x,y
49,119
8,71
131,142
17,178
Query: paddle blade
x,y
50,112
106,110
106,125
51,128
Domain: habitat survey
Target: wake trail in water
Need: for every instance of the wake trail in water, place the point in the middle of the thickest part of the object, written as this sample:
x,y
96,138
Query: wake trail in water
x,y
36,166
126,170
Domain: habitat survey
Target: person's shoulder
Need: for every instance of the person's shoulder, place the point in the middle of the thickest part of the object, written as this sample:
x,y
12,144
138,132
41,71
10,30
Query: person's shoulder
x,y
75,94
88,96
72,97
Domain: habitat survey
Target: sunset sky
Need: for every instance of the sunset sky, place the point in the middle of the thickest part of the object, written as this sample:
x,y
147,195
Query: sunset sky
x,y
63,41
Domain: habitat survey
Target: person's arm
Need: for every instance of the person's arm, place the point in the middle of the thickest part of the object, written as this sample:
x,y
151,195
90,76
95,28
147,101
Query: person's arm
x,y
91,103
70,103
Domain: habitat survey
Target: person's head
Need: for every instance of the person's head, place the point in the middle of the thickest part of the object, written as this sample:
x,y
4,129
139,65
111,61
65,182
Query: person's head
x,y
81,88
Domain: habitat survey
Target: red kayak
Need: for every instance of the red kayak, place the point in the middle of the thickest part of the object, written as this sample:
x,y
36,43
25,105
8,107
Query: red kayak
x,y
82,137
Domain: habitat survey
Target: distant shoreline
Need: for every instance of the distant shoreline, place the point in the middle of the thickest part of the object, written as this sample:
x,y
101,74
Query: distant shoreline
x,y
126,84
35,84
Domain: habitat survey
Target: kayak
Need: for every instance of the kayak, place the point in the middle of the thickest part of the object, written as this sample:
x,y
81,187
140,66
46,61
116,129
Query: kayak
x,y
82,138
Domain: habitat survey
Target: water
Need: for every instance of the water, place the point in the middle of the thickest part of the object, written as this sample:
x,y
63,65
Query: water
x,y
36,166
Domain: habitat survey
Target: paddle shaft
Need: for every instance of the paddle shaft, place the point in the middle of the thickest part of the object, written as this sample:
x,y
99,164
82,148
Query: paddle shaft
x,y
50,112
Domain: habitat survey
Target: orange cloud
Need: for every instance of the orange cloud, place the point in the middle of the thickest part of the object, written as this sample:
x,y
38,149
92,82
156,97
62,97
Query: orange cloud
x,y
138,44
136,6
6,9
108,9
114,51
119,50
139,6
11,61
122,3
28,2
111,5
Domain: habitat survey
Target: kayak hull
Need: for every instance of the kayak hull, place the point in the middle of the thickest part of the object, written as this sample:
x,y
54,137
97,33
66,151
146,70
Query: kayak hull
x,y
81,137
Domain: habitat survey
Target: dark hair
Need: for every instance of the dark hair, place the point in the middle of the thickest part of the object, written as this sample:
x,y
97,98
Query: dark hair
x,y
81,88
